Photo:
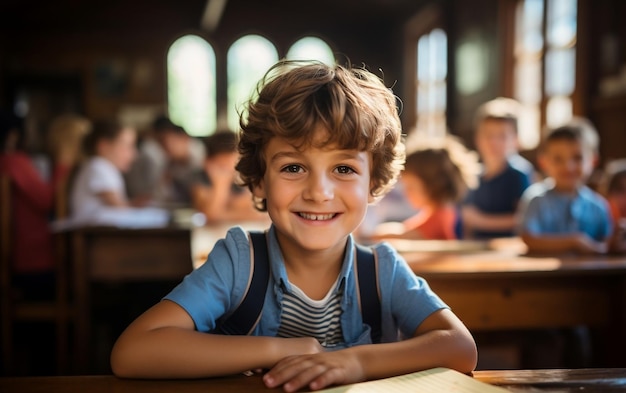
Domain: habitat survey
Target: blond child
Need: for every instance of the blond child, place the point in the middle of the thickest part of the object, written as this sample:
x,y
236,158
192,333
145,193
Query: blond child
x,y
561,213
318,144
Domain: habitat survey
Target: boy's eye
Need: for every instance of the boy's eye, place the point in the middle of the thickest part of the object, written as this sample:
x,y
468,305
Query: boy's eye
x,y
343,169
293,168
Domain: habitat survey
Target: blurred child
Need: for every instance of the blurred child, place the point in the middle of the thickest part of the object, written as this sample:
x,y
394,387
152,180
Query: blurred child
x,y
32,206
613,188
164,169
561,213
320,142
489,210
98,193
65,144
435,178
215,192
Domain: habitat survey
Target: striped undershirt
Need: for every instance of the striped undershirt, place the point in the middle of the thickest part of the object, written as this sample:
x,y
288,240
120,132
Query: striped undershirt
x,y
305,317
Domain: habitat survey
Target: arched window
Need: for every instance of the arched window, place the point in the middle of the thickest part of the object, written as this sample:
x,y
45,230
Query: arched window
x,y
311,48
249,58
191,92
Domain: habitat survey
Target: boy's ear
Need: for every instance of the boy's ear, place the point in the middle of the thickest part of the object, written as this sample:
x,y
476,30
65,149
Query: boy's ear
x,y
595,160
370,197
259,190
542,161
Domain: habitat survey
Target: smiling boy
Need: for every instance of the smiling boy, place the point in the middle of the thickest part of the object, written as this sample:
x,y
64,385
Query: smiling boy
x,y
318,145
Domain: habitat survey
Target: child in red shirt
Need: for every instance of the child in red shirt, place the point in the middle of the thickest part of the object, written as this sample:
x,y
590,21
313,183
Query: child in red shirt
x,y
435,179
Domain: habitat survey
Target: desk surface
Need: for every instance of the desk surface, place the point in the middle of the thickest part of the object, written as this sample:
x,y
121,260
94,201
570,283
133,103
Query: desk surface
x,y
507,257
538,381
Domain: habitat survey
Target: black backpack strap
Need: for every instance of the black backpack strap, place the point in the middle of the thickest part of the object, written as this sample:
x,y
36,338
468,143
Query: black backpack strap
x,y
368,290
246,316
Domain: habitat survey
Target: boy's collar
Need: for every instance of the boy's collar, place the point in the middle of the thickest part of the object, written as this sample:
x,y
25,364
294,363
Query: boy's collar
x,y
279,272
551,185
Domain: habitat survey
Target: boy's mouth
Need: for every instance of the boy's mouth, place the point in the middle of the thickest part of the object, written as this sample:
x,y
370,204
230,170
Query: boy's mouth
x,y
317,217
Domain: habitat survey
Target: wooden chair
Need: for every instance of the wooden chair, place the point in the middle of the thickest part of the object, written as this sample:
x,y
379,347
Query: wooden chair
x,y
57,310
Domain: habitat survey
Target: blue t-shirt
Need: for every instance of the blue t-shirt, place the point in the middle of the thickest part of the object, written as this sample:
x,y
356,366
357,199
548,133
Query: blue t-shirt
x,y
217,287
544,210
498,195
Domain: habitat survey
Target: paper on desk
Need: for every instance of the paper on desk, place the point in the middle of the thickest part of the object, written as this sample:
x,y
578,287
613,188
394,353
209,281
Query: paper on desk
x,y
435,380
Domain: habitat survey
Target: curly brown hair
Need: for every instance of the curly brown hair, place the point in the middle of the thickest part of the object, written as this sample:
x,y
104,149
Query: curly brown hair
x,y
354,105
442,178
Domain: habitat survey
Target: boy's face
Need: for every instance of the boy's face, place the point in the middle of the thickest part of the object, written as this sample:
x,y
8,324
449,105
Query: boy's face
x,y
176,145
315,197
495,140
414,190
567,162
121,151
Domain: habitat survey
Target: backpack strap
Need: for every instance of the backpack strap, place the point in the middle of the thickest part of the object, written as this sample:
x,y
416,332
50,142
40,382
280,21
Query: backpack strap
x,y
246,316
367,274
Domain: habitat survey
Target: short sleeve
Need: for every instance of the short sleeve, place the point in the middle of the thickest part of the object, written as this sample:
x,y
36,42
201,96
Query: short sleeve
x,y
528,214
407,296
217,286
104,178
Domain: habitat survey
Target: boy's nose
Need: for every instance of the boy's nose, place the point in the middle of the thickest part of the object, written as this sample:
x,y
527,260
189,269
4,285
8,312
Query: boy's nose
x,y
319,188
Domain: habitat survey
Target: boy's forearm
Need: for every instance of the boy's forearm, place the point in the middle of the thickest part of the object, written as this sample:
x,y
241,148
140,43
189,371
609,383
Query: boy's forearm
x,y
563,243
181,353
452,348
476,219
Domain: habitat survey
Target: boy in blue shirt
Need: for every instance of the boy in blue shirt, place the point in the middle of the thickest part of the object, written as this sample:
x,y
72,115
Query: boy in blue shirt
x,y
319,143
489,210
561,213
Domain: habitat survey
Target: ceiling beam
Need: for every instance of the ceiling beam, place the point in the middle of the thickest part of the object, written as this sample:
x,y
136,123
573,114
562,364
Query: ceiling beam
x,y
212,14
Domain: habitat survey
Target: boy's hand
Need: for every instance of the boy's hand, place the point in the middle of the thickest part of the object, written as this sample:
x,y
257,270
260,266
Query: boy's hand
x,y
587,245
315,371
619,237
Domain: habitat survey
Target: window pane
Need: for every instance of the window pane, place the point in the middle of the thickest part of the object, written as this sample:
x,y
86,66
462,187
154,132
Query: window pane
x,y
311,48
529,126
558,111
531,36
249,58
432,71
423,59
438,54
560,72
191,85
561,22
528,80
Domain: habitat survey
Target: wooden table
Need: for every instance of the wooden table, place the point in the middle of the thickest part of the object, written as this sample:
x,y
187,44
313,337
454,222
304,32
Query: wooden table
x,y
501,288
537,381
122,255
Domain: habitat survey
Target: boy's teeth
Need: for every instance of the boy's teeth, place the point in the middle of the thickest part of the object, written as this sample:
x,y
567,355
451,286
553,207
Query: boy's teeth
x,y
317,217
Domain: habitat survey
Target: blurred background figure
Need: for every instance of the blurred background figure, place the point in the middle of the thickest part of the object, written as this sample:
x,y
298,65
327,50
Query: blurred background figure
x,y
165,167
32,207
613,188
489,210
65,145
561,213
436,176
98,193
215,191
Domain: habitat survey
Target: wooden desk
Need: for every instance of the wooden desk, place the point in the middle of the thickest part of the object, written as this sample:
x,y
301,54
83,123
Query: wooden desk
x,y
122,255
501,289
537,381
